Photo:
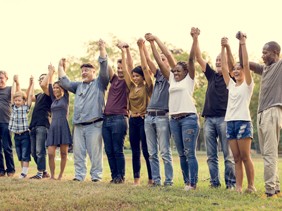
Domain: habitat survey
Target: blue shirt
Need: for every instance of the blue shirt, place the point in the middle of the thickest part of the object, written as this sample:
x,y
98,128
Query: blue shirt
x,y
89,100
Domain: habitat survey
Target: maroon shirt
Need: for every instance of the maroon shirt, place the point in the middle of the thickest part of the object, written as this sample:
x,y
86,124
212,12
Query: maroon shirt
x,y
117,102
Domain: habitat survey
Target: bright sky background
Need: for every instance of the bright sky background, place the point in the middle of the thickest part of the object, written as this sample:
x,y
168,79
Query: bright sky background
x,y
34,33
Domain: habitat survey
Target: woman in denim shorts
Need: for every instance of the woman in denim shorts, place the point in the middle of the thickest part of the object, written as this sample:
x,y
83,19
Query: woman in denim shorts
x,y
239,130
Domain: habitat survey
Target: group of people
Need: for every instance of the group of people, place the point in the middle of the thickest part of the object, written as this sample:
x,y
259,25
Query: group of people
x,y
154,111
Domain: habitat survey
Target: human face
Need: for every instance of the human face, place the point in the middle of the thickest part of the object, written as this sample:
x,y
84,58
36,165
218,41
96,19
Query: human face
x,y
137,78
179,73
87,74
57,91
238,73
19,101
3,80
268,55
41,79
119,71
218,64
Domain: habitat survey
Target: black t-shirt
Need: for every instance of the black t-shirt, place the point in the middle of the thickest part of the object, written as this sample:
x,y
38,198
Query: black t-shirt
x,y
41,112
216,94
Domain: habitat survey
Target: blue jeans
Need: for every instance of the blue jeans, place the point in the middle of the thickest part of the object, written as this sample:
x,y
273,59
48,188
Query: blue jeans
x,y
38,136
137,134
214,131
22,143
114,131
185,134
6,145
88,139
158,138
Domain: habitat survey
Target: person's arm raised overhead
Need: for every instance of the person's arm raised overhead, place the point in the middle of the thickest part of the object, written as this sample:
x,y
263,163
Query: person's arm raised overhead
x,y
47,79
171,60
164,68
14,89
30,93
129,60
31,83
126,74
103,73
224,66
144,64
198,52
191,59
245,58
150,63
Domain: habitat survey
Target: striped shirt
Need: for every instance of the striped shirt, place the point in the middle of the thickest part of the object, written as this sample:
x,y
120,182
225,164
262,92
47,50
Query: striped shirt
x,y
18,121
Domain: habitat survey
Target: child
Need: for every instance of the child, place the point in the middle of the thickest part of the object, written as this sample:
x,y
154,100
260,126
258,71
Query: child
x,y
19,124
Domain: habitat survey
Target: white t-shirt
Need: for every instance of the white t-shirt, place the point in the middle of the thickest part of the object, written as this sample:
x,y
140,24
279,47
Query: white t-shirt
x,y
181,95
239,98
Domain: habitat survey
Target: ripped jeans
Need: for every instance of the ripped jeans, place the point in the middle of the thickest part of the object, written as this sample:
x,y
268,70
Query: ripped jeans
x,y
185,134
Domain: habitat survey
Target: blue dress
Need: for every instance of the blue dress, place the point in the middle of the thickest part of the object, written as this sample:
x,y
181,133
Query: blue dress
x,y
59,131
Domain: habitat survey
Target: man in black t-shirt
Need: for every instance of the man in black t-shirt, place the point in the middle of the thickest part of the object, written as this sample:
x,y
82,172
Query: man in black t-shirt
x,y
214,113
39,126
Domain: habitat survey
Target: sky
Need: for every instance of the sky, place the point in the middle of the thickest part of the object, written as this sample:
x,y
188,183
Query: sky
x,y
34,33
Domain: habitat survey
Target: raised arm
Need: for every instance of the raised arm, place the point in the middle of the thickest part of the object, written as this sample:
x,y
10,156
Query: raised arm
x,y
48,79
224,66
191,60
164,68
31,83
30,94
244,60
103,61
166,52
150,63
126,74
14,87
129,60
198,52
144,64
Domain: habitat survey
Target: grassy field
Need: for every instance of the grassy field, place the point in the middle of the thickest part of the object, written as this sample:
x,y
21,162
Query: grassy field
x,y
26,194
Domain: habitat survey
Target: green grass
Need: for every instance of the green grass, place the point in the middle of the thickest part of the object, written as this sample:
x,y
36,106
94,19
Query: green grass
x,y
26,194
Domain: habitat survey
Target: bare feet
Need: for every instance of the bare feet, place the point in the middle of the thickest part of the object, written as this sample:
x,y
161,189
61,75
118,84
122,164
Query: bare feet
x,y
136,181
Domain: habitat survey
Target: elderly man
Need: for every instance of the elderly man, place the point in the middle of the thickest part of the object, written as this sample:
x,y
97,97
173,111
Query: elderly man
x,y
5,137
88,115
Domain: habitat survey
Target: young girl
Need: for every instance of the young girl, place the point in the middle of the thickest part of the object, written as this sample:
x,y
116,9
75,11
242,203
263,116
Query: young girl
x,y
19,124
59,131
239,125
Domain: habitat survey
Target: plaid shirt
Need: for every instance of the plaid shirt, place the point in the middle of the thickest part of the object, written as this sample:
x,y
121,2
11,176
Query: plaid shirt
x,y
18,121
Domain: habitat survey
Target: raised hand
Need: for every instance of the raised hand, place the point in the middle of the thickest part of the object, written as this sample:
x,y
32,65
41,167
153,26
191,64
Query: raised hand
x,y
101,44
241,36
224,41
31,80
149,37
195,32
140,42
16,78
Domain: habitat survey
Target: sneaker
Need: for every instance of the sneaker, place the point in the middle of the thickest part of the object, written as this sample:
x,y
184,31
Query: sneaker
x,y
189,187
2,174
45,174
76,180
231,188
251,190
22,176
269,196
212,186
37,176
95,180
118,180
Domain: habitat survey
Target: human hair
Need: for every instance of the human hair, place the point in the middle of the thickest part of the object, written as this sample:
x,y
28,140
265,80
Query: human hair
x,y
43,74
20,94
138,70
4,73
274,46
87,65
184,65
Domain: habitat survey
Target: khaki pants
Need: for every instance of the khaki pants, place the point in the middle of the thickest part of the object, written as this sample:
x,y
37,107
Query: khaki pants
x,y
269,123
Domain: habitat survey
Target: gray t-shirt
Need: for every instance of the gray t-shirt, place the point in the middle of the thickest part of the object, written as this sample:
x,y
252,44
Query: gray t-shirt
x,y
271,85
159,98
5,104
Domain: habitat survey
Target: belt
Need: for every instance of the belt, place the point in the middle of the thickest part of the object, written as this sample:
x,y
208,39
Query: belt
x,y
157,113
89,123
181,116
21,133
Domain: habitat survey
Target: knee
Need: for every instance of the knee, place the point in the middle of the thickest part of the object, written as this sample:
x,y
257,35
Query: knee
x,y
64,155
237,159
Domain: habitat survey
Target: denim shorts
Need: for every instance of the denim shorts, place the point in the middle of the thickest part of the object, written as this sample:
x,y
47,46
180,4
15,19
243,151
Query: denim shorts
x,y
239,130
22,143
